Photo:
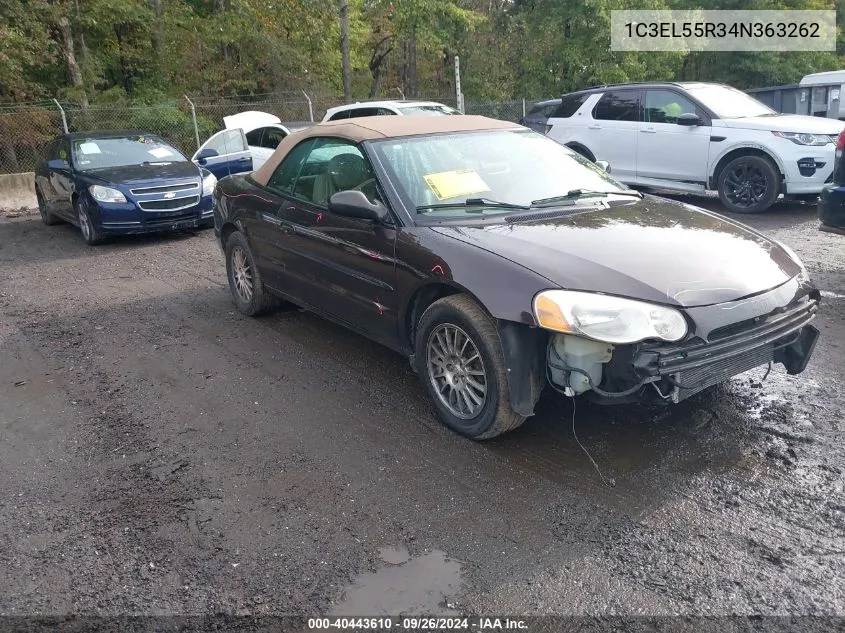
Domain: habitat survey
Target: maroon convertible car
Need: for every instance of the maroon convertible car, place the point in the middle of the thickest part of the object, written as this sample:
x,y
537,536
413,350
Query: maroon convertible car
x,y
498,261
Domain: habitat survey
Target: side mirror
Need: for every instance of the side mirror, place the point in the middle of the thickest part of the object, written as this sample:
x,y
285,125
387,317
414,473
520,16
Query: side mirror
x,y
689,119
205,153
603,165
58,163
354,204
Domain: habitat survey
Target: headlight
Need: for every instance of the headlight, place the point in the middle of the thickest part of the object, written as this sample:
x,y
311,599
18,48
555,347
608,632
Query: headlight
x,y
800,138
608,319
106,194
208,182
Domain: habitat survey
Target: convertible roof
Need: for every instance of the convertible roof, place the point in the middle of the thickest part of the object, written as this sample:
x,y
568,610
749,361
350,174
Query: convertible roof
x,y
377,127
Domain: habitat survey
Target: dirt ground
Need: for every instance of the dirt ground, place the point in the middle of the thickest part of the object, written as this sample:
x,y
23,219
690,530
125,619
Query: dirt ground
x,y
162,454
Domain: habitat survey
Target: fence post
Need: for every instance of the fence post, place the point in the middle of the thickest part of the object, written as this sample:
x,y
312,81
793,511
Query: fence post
x,y
523,107
194,118
64,118
310,108
458,93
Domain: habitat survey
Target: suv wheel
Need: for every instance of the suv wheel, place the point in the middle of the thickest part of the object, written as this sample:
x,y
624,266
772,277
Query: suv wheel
x,y
748,184
459,359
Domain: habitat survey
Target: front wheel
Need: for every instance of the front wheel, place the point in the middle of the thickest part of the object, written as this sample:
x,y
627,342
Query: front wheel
x,y
748,184
459,359
88,226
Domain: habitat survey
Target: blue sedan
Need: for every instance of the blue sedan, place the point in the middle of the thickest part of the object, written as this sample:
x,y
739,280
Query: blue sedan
x,y
118,183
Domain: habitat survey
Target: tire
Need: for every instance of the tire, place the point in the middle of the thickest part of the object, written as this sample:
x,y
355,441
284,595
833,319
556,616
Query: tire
x,y
462,318
46,217
88,227
749,184
248,291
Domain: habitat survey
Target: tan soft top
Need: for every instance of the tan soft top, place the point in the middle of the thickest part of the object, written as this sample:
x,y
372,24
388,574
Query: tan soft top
x,y
375,127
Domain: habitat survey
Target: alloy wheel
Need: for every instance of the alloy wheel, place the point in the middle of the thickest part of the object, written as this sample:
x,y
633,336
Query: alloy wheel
x,y
746,185
242,274
84,222
456,371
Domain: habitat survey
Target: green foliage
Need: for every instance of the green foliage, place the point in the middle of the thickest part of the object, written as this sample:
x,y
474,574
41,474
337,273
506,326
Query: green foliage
x,y
133,52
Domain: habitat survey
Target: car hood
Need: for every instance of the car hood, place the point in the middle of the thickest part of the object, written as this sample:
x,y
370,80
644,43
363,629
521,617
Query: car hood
x,y
249,121
137,174
788,123
655,250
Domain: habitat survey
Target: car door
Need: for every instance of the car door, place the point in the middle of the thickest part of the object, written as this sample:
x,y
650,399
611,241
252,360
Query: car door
x,y
60,170
342,266
613,129
271,136
225,153
668,152
270,226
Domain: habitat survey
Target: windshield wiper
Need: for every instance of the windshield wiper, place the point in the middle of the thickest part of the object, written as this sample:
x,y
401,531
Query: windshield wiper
x,y
473,202
582,193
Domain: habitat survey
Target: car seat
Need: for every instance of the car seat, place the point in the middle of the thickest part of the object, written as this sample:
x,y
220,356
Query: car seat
x,y
343,172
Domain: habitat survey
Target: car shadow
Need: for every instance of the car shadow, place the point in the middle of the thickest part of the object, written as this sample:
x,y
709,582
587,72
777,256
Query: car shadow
x,y
63,241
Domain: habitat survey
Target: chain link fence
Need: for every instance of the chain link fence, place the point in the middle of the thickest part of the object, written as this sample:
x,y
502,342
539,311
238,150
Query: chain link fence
x,y
25,130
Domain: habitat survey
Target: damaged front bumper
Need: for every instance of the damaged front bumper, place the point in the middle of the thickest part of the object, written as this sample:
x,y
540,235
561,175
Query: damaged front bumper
x,y
728,339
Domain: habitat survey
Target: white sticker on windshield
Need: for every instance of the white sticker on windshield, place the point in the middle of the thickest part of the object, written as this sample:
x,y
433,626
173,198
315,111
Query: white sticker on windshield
x,y
160,152
89,148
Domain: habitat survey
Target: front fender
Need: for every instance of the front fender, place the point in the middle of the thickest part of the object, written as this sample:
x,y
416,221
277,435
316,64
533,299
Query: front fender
x,y
524,350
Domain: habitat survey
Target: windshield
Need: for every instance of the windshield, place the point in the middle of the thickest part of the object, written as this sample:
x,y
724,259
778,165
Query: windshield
x,y
428,110
438,174
729,103
119,151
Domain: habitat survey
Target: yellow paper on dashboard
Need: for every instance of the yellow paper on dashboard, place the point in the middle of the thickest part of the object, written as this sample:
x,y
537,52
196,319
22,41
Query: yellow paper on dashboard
x,y
452,184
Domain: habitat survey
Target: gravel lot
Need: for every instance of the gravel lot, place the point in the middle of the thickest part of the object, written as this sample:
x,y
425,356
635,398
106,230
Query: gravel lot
x,y
162,454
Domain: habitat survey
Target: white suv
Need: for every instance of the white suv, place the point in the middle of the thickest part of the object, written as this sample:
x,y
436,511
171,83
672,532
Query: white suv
x,y
696,137
382,108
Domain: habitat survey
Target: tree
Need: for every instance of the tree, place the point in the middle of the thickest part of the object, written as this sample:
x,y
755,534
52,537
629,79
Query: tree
x,y
344,50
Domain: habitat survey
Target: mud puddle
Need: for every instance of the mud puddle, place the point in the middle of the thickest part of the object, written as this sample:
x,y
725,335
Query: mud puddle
x,y
406,585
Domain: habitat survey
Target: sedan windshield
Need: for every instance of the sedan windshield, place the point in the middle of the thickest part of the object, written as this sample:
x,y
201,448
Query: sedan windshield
x,y
729,103
490,172
120,151
427,110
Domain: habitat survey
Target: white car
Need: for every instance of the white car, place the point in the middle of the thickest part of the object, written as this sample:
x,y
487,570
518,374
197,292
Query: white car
x,y
697,137
249,139
382,108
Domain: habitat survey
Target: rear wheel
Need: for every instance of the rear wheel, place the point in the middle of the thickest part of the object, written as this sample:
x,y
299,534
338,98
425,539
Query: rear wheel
x,y
48,218
459,359
88,226
248,290
748,184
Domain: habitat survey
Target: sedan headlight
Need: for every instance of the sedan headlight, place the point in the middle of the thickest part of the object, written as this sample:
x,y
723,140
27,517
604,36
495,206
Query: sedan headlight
x,y
106,194
208,182
605,318
801,138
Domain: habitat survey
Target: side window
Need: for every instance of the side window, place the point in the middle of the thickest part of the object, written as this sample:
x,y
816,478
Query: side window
x,y
254,137
568,106
283,179
364,112
272,137
343,114
385,112
665,106
622,105
227,142
61,150
334,165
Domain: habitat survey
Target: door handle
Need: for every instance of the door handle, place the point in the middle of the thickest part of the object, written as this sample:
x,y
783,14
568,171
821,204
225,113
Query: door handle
x,y
243,159
593,127
648,130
